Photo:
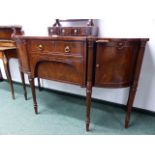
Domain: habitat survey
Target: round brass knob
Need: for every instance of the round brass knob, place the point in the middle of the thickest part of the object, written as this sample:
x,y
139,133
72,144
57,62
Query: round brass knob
x,y
97,65
67,49
63,30
75,31
40,47
120,45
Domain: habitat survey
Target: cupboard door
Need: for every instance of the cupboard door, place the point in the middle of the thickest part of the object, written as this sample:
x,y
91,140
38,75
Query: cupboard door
x,y
115,63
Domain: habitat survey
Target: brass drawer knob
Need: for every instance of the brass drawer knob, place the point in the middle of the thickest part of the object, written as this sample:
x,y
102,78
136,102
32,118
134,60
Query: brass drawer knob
x,y
63,30
120,45
67,49
40,47
75,31
97,65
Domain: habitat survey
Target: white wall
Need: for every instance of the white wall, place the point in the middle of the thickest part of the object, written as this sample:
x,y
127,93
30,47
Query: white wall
x,y
36,16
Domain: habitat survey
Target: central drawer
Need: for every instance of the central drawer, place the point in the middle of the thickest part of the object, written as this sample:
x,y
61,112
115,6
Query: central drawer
x,y
57,47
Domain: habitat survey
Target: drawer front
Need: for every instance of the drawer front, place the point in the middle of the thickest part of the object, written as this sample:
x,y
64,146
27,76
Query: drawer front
x,y
61,31
75,31
115,64
59,68
54,31
72,31
85,31
57,47
65,31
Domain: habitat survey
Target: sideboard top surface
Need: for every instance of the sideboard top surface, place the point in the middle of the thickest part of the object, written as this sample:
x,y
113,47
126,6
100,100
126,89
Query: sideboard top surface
x,y
79,38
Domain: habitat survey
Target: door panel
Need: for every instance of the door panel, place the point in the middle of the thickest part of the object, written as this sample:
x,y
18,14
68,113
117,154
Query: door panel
x,y
114,63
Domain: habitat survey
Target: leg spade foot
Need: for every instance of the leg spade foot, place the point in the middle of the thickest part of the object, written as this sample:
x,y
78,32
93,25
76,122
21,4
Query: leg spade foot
x,y
87,127
127,122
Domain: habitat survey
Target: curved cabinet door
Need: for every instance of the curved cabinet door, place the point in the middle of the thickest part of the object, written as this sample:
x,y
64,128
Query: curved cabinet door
x,y
115,63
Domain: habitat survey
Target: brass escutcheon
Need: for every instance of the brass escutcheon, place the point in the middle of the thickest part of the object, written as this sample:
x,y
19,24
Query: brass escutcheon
x,y
40,47
67,49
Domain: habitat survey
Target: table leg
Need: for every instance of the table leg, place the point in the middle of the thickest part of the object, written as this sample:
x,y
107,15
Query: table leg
x,y
1,77
23,84
31,80
39,84
7,71
131,98
88,104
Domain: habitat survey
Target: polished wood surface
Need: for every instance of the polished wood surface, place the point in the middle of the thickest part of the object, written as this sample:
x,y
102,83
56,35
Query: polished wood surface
x,y
85,61
8,51
63,57
115,62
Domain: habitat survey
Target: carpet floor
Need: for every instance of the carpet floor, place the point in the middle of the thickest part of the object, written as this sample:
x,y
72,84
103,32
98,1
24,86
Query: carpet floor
x,y
62,114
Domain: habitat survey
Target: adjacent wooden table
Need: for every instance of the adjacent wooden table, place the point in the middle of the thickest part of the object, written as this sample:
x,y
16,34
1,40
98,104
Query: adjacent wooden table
x,y
8,51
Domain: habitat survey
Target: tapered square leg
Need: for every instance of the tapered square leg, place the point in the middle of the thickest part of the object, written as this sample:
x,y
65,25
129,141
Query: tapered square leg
x,y
31,80
23,84
39,84
131,98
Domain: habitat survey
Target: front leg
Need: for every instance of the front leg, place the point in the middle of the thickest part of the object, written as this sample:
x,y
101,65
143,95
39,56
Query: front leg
x,y
31,81
1,77
88,104
39,84
131,98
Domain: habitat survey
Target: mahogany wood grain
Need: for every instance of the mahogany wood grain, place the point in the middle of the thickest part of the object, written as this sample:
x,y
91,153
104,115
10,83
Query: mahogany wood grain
x,y
84,60
61,59
89,80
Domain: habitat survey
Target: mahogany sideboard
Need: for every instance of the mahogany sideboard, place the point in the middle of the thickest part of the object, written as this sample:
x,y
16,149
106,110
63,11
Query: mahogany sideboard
x,y
8,51
87,61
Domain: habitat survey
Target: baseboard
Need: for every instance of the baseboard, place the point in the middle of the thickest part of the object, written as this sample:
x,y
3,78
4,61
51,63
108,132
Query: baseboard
x,y
113,104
